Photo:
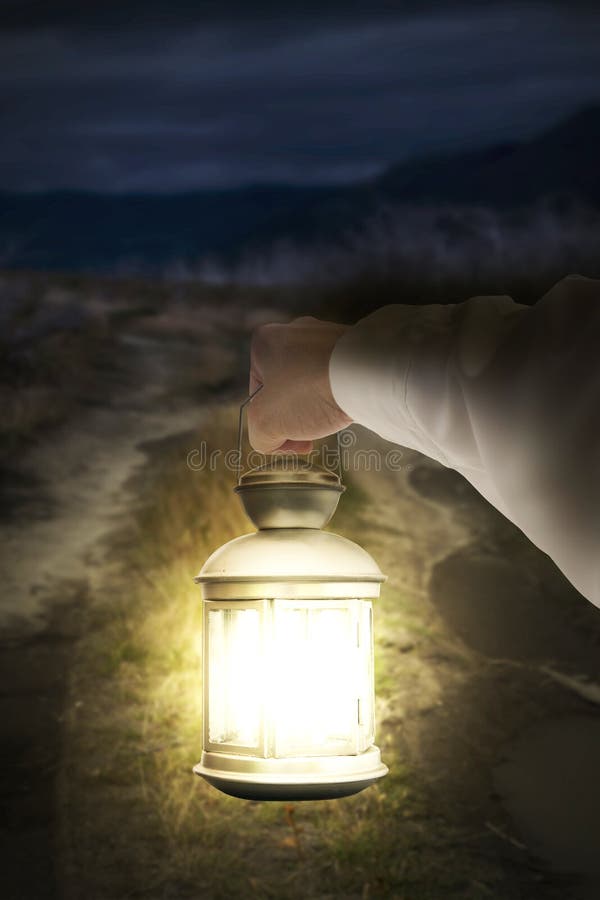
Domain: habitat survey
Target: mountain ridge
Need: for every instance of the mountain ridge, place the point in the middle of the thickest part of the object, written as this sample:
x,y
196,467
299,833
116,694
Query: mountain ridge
x,y
86,230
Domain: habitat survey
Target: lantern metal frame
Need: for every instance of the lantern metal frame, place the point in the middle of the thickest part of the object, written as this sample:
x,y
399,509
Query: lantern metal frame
x,y
289,560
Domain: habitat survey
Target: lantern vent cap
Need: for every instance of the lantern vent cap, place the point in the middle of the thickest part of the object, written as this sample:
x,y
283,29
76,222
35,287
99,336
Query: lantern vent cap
x,y
288,470
288,492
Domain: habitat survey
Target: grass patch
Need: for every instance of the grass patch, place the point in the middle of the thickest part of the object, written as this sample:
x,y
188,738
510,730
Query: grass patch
x,y
137,822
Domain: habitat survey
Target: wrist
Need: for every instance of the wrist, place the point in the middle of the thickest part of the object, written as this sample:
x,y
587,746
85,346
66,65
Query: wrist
x,y
341,414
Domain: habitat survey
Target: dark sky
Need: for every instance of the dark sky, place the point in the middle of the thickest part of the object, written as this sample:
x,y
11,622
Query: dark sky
x,y
134,96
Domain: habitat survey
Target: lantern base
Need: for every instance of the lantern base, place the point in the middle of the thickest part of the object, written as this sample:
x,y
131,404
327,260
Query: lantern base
x,y
292,778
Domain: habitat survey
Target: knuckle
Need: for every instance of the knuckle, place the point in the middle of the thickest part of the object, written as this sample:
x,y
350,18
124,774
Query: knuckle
x,y
258,417
263,338
266,331
259,437
305,320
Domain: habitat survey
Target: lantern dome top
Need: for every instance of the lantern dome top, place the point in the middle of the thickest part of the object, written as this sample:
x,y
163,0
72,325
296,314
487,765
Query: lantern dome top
x,y
290,562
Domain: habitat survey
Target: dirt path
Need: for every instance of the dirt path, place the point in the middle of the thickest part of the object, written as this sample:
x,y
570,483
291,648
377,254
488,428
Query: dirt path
x,y
516,738
64,495
71,488
493,661
497,691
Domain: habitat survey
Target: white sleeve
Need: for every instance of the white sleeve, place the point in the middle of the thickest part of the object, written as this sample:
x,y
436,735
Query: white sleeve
x,y
508,395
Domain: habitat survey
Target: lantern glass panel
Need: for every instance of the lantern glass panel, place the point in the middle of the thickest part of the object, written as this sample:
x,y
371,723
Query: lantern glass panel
x,y
289,678
235,677
322,680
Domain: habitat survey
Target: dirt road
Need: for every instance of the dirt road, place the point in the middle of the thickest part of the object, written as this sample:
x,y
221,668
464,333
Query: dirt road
x,y
62,497
491,661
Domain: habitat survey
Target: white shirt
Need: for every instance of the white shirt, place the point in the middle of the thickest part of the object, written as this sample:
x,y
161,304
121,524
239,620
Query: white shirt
x,y
506,394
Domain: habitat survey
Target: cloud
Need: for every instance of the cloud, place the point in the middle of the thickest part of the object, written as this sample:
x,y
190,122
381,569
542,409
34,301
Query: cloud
x,y
230,102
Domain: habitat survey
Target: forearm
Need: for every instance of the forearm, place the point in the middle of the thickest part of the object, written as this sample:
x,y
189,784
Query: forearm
x,y
506,394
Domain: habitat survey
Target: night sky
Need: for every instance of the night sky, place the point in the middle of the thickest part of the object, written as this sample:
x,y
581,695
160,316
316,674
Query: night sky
x,y
132,96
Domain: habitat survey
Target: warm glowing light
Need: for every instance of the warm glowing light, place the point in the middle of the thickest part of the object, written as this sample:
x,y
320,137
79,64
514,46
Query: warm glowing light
x,y
235,677
319,650
290,677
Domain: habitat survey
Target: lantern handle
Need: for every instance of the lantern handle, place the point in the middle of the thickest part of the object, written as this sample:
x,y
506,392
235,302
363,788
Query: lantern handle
x,y
243,406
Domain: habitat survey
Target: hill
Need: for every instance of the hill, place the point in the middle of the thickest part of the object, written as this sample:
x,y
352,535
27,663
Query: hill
x,y
147,233
563,160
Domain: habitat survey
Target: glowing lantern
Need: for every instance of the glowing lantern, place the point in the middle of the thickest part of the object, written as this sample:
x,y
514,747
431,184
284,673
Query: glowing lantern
x,y
288,647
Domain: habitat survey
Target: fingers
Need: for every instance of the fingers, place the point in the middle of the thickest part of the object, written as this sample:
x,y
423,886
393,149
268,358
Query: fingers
x,y
256,364
261,433
296,405
317,324
300,447
254,383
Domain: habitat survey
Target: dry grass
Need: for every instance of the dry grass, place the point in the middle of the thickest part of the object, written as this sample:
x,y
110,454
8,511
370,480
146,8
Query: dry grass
x,y
137,822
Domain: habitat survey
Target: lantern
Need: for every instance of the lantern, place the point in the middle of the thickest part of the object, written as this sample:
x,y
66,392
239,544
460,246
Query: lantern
x,y
288,647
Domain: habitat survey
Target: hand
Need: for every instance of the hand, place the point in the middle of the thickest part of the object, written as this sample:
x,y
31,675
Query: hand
x,y
296,404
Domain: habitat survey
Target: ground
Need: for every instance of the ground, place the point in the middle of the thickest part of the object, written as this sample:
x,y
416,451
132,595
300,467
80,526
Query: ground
x,y
488,662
